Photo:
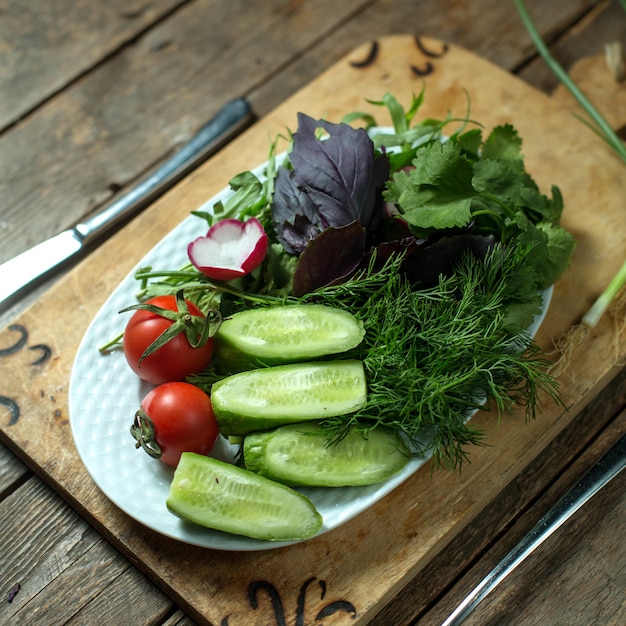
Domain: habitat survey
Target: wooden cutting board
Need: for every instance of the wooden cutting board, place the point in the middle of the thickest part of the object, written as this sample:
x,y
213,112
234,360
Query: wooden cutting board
x,y
353,571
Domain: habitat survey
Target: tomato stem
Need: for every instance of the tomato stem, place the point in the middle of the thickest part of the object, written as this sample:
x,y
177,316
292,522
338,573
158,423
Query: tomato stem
x,y
116,341
198,330
143,432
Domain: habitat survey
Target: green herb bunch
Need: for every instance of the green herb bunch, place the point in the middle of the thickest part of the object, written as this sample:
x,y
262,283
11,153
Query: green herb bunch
x,y
434,356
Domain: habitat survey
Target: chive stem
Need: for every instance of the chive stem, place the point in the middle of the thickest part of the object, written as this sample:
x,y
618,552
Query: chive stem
x,y
598,308
605,131
603,127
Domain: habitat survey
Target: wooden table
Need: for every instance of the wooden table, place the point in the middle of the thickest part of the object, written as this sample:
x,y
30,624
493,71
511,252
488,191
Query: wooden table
x,y
93,96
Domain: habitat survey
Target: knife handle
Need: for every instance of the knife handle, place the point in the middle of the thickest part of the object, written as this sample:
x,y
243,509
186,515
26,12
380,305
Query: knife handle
x,y
228,122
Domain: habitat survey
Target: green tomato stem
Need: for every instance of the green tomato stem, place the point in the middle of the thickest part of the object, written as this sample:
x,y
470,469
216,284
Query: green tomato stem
x,y
116,341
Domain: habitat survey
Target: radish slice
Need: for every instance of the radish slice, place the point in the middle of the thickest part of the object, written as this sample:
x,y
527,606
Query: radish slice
x,y
230,249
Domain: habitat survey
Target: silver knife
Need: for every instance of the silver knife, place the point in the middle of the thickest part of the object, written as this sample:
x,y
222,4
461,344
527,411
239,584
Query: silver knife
x,y
26,269
609,466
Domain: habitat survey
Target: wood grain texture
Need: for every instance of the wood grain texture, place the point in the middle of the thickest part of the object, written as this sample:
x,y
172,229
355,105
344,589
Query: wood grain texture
x,y
65,573
178,619
577,576
398,537
100,134
47,45
11,471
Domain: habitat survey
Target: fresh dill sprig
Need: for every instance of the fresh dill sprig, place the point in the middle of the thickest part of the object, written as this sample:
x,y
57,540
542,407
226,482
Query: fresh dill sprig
x,y
434,356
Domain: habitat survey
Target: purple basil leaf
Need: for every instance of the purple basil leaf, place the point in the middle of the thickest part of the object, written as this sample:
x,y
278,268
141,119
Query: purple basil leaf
x,y
340,173
295,237
424,264
330,258
294,216
385,250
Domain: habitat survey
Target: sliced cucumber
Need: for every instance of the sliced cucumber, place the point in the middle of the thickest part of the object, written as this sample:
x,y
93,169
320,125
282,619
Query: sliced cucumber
x,y
272,396
284,334
299,455
225,497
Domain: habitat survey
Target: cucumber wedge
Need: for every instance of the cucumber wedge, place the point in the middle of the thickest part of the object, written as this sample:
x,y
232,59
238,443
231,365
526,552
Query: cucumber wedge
x,y
284,334
284,394
225,497
298,455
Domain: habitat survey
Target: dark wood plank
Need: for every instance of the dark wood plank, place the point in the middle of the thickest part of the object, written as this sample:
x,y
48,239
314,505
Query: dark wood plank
x,y
179,619
47,45
56,568
12,471
577,576
605,23
420,601
100,134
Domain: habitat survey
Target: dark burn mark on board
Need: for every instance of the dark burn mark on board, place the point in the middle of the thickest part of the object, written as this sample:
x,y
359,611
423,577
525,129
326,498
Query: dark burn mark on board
x,y
428,67
19,343
430,53
13,407
370,58
257,586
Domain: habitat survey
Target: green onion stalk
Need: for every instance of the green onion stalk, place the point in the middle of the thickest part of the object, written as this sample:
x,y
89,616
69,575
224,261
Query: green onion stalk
x,y
604,130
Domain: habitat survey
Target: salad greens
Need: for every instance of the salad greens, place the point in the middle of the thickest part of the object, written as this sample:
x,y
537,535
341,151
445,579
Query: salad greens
x,y
441,245
432,355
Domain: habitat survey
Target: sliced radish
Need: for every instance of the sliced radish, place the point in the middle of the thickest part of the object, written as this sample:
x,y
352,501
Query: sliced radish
x,y
230,249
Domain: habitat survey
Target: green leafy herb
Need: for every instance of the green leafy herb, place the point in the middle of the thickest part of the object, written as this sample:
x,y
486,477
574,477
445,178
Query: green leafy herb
x,y
483,186
431,356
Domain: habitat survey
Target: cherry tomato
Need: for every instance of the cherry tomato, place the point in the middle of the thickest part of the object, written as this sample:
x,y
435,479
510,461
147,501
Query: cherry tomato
x,y
177,358
174,418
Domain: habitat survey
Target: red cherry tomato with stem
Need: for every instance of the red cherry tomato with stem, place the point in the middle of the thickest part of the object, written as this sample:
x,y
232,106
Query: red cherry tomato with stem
x,y
174,418
168,338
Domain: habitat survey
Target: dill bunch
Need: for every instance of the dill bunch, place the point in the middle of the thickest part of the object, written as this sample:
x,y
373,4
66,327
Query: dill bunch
x,y
434,356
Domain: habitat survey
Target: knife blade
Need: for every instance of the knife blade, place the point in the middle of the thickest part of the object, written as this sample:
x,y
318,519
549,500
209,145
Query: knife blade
x,y
31,266
607,468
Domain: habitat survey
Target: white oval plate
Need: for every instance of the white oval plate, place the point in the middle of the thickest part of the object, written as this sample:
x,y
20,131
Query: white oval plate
x,y
104,395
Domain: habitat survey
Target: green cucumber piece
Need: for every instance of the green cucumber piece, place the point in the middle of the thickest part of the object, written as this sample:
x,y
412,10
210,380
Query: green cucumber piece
x,y
284,334
225,497
272,396
299,455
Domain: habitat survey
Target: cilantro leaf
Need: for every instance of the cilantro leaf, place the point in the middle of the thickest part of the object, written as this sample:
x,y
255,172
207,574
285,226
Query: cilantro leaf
x,y
504,179
438,192
470,142
503,143
553,247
